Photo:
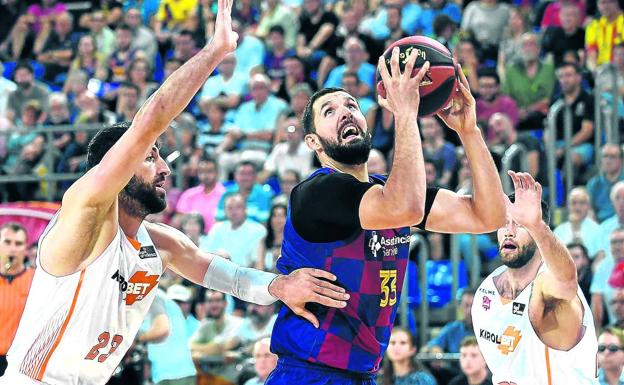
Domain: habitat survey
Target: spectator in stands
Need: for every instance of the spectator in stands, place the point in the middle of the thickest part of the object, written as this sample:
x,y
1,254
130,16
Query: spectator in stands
x,y
257,324
183,297
204,197
530,84
377,163
616,195
601,184
490,100
171,16
171,362
184,46
352,84
104,36
581,105
249,52
569,36
436,148
355,61
255,124
485,20
171,65
394,23
611,356
617,307
246,13
27,89
59,115
316,37
201,21
227,88
300,95
510,50
467,56
120,59
211,133
287,182
431,172
15,280
450,337
6,88
264,361
445,31
113,10
143,38
218,327
584,275
602,293
404,18
10,12
140,74
552,13
436,8
278,14
350,23
271,246
277,52
89,59
91,110
127,102
54,48
473,366
611,23
32,24
580,227
295,74
400,365
293,154
193,226
237,235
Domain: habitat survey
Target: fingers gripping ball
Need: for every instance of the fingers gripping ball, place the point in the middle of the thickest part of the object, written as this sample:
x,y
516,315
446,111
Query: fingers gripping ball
x,y
438,85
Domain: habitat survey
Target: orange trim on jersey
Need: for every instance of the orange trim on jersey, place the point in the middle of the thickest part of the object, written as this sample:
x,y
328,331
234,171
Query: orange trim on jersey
x,y
548,365
136,244
505,301
65,323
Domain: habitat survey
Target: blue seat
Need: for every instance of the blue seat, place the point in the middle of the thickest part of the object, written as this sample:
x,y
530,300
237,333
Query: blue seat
x,y
439,283
9,68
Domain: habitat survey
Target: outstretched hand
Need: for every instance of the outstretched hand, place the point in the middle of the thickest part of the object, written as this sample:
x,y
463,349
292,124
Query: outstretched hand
x,y
526,210
303,286
461,115
224,36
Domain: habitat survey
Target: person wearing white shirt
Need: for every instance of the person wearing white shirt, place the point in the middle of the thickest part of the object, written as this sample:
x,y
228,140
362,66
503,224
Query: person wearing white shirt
x,y
293,154
579,226
6,87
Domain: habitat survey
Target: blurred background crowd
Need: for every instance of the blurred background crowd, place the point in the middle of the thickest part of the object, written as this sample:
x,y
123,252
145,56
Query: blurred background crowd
x,y
548,77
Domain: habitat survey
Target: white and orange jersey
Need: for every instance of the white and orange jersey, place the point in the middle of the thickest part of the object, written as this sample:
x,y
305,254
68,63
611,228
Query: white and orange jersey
x,y
513,351
76,329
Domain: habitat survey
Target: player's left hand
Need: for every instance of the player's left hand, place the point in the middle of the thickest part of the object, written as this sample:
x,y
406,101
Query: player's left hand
x,y
527,208
461,116
303,286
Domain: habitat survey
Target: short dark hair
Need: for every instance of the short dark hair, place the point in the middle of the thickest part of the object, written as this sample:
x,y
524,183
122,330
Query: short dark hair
x,y
488,73
469,341
130,85
194,217
208,159
544,204
468,290
579,245
104,140
568,64
186,32
308,113
124,27
15,227
247,163
277,28
24,65
351,74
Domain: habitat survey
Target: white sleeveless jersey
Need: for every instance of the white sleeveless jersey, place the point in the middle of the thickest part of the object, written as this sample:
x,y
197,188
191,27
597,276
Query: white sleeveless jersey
x,y
76,329
514,353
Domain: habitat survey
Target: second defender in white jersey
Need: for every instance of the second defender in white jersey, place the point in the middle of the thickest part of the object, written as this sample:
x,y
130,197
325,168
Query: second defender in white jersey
x,y
530,318
99,262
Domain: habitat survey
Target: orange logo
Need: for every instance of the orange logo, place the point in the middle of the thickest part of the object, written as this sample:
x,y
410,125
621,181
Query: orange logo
x,y
509,340
139,286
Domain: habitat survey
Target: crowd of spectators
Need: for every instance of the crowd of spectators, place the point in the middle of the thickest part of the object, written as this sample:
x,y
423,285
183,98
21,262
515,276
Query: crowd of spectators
x,y
238,150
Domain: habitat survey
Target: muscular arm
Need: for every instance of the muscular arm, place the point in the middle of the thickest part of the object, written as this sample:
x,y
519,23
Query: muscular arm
x,y
587,130
482,212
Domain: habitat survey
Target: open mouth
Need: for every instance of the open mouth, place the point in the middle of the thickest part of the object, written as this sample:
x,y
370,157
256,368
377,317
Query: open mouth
x,y
160,185
509,246
349,131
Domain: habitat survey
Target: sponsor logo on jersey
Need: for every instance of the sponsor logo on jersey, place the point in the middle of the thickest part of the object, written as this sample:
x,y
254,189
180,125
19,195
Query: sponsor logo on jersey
x,y
486,291
518,308
137,287
376,242
487,302
147,252
507,342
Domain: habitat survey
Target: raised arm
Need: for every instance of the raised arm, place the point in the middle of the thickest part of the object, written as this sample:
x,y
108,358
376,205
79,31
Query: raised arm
x,y
181,255
484,211
401,201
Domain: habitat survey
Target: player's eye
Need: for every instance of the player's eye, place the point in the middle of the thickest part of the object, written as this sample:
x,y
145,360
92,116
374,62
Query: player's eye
x,y
328,111
352,107
150,158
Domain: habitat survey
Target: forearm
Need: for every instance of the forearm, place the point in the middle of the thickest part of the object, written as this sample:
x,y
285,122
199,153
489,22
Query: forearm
x,y
266,136
487,198
587,129
406,184
321,36
558,260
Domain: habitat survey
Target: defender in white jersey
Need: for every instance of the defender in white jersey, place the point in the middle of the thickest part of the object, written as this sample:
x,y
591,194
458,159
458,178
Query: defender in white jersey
x,y
99,263
530,318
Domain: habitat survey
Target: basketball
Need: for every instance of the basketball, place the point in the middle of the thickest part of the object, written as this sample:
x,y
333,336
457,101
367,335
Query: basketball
x,y
437,87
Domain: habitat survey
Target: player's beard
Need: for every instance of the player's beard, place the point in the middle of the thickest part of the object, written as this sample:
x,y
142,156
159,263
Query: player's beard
x,y
140,198
353,153
523,256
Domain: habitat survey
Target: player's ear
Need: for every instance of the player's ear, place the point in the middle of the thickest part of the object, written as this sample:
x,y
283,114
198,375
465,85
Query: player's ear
x,y
313,142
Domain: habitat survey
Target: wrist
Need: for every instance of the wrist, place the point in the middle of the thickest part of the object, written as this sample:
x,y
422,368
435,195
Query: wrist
x,y
537,228
275,287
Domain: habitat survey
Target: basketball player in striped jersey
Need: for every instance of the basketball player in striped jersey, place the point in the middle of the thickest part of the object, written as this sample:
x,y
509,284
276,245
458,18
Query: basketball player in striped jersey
x,y
99,263
530,317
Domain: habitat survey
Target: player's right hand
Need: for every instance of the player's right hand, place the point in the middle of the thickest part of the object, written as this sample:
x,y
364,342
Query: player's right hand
x,y
224,37
402,89
305,285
